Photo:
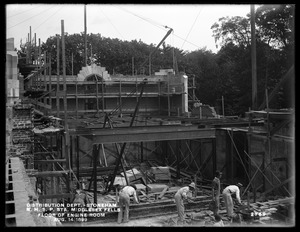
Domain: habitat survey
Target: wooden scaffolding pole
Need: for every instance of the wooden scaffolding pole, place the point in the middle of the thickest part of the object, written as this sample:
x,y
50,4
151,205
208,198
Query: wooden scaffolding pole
x,y
97,96
253,59
77,160
67,137
57,78
50,83
95,156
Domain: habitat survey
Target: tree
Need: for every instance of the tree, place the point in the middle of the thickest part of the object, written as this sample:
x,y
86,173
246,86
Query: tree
x,y
234,30
113,54
276,24
202,64
274,42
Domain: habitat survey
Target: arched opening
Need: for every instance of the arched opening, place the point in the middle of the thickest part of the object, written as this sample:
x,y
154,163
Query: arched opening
x,y
94,77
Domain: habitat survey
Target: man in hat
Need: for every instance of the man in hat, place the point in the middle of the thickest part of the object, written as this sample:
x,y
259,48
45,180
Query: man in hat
x,y
124,201
216,191
227,196
183,194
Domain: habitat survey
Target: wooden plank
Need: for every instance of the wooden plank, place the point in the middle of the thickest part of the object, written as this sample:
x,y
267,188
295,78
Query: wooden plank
x,y
279,185
43,105
163,192
143,193
111,197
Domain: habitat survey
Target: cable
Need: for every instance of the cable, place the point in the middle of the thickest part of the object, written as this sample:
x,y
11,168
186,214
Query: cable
x,y
40,25
112,24
30,18
48,18
191,28
188,41
147,20
161,25
24,11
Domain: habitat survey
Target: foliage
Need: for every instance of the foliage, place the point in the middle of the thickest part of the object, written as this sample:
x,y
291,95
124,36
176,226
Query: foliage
x,y
234,30
275,51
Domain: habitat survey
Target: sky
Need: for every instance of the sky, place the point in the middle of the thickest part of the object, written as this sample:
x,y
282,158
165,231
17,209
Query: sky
x,y
191,23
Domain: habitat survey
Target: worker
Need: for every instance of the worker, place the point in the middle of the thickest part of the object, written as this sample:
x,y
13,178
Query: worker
x,y
124,201
219,221
227,196
216,191
182,194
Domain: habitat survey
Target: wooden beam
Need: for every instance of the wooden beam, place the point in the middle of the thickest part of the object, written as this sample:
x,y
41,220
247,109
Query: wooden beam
x,y
50,83
50,161
77,159
48,173
178,159
279,185
42,104
279,126
163,192
95,156
193,159
57,78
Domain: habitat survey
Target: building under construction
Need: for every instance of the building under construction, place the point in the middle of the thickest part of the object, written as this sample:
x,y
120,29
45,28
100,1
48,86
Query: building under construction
x,y
96,132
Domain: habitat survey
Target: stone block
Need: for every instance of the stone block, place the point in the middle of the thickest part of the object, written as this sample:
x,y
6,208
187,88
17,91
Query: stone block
x,y
10,44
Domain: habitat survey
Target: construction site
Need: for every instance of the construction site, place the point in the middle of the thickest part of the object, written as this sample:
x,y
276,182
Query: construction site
x,y
89,134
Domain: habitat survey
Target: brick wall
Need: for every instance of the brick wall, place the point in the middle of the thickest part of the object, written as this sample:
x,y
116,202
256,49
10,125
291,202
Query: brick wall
x,y
21,134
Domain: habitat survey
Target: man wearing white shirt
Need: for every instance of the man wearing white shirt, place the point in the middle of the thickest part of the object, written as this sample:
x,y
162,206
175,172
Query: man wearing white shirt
x,y
124,201
227,196
182,194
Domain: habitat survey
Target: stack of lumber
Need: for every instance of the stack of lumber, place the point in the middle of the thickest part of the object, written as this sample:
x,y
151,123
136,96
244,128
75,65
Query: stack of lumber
x,y
161,173
132,174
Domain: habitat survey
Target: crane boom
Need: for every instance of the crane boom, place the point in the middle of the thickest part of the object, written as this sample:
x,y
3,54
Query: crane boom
x,y
155,50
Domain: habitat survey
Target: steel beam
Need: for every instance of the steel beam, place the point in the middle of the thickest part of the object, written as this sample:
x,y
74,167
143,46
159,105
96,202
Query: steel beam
x,y
147,134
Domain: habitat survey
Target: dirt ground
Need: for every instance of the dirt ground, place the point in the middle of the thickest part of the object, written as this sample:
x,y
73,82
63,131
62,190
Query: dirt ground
x,y
202,219
169,220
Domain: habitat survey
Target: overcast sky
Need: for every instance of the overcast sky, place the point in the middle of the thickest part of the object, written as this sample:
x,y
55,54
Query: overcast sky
x,y
191,23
